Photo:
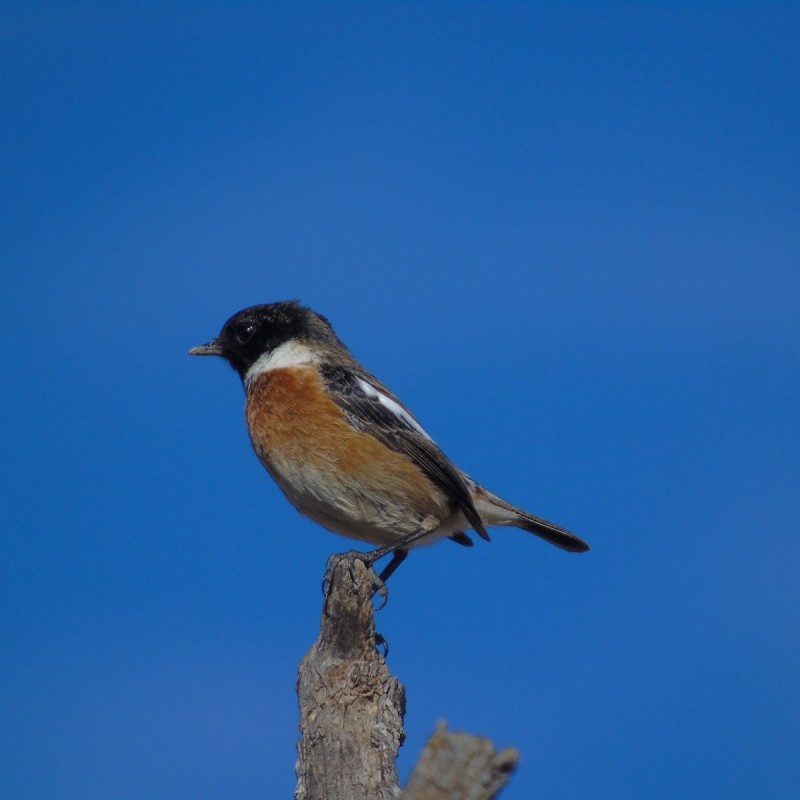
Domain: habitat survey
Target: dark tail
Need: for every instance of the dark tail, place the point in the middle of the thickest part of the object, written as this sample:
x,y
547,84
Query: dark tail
x,y
550,532
496,511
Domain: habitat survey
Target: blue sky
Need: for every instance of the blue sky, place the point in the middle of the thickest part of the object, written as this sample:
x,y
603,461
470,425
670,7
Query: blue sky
x,y
565,234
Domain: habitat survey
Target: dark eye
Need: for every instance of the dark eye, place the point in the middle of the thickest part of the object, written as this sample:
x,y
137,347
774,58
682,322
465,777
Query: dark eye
x,y
245,333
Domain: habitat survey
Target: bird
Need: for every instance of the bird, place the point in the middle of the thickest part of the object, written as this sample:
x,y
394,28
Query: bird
x,y
345,450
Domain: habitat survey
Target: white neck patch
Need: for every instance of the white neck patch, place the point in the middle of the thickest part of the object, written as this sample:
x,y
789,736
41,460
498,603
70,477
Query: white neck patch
x,y
289,354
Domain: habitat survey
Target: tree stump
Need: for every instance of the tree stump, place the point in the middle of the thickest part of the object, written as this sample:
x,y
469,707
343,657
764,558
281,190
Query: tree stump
x,y
351,707
351,717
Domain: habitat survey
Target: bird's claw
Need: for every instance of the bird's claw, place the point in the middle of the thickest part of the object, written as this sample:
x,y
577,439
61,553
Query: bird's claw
x,y
380,642
351,556
379,588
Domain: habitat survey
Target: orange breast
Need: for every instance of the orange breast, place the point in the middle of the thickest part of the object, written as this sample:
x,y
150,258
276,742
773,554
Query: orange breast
x,y
301,435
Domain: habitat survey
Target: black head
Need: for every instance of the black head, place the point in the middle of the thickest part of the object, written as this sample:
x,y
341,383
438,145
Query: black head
x,y
258,330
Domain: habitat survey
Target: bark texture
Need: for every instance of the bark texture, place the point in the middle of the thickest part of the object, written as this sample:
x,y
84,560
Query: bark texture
x,y
459,766
351,717
351,707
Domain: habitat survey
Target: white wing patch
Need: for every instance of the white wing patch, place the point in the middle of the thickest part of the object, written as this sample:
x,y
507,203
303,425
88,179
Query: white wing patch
x,y
392,405
289,354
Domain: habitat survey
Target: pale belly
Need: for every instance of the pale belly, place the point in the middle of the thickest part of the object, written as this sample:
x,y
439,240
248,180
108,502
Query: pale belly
x,y
345,505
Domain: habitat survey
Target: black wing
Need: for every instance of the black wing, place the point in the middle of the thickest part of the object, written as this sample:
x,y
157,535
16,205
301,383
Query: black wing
x,y
369,406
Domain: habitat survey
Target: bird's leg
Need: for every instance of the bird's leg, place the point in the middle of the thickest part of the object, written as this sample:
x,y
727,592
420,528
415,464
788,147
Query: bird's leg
x,y
398,550
398,557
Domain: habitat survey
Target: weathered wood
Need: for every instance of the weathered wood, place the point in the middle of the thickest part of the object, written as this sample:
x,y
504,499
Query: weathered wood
x,y
458,766
351,707
351,717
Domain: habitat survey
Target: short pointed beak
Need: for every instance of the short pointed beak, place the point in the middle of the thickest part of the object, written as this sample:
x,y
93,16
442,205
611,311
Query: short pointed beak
x,y
211,349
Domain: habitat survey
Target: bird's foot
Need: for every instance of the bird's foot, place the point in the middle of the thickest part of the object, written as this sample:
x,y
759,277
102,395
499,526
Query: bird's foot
x,y
381,645
351,556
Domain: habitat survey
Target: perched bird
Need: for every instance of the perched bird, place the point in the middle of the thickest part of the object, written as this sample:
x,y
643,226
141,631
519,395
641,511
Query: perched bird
x,y
344,450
